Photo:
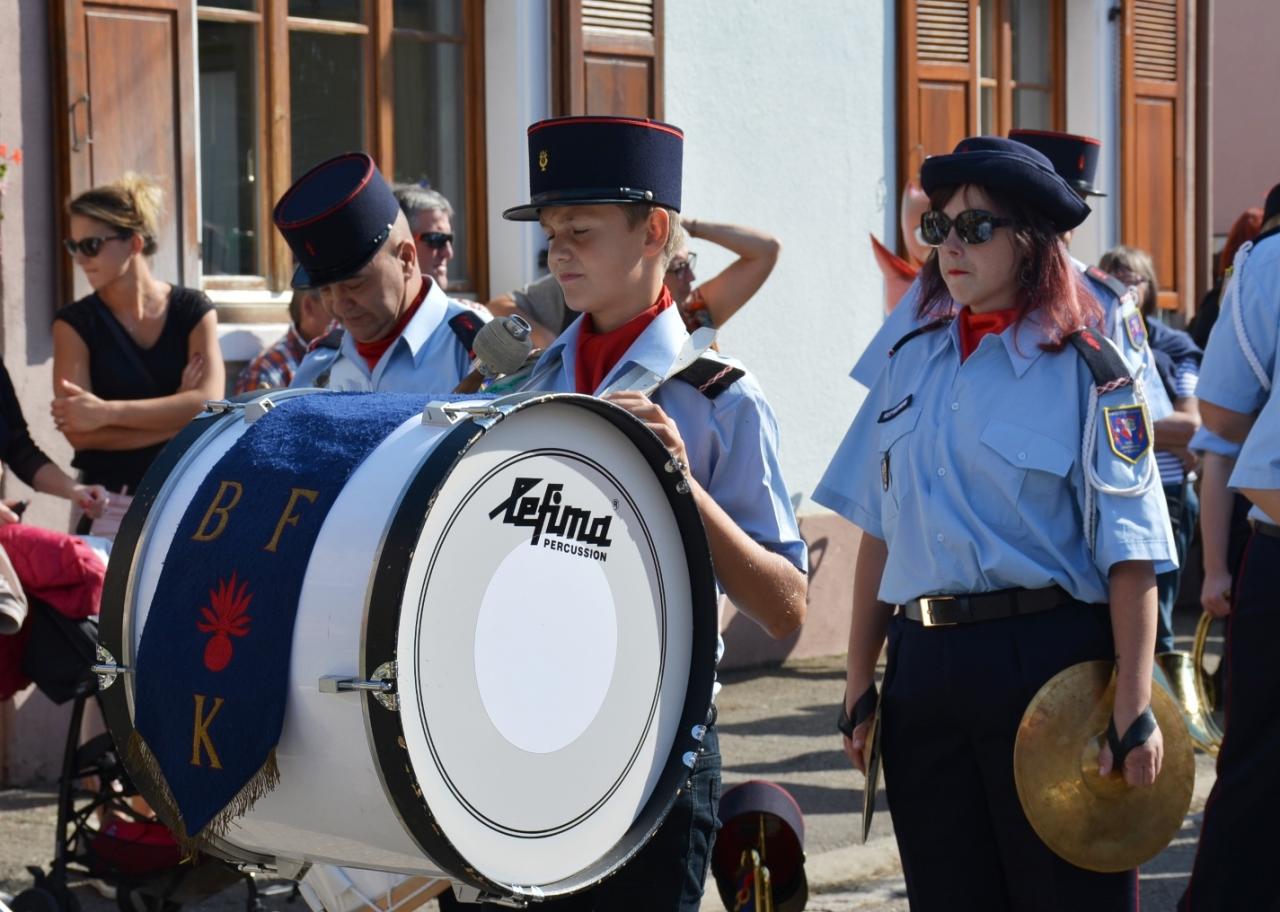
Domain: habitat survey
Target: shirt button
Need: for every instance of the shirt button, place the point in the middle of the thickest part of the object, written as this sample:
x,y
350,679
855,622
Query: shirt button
x,y
941,472
941,537
1022,456
955,406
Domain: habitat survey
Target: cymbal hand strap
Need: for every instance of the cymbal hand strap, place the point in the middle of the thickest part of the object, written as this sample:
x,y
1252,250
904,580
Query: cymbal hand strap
x,y
1143,727
863,709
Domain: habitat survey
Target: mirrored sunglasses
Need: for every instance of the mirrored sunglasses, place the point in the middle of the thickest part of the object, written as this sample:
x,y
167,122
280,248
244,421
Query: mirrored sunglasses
x,y
91,246
435,239
974,226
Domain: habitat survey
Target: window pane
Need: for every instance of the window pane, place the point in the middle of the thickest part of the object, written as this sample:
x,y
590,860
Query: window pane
x,y
443,16
1032,41
326,97
987,110
1032,109
248,5
987,38
339,10
430,133
228,148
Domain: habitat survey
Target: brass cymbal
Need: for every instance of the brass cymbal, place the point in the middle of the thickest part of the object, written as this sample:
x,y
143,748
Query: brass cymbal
x,y
1100,824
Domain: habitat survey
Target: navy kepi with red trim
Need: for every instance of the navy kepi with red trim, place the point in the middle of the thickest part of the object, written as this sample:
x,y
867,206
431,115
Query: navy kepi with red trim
x,y
335,218
580,161
1075,158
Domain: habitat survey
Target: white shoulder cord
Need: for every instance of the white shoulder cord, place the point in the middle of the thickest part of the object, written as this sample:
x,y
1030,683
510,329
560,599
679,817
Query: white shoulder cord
x,y
1092,481
1237,318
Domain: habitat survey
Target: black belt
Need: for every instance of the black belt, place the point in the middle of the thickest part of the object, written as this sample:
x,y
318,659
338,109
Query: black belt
x,y
945,610
1271,530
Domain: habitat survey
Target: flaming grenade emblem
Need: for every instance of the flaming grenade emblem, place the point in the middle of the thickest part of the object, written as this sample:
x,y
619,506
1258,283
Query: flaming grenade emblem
x,y
224,617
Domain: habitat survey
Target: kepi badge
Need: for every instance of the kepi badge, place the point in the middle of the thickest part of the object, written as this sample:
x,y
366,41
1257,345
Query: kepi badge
x,y
1128,431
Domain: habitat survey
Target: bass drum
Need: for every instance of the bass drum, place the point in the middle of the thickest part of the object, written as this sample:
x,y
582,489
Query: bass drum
x,y
530,579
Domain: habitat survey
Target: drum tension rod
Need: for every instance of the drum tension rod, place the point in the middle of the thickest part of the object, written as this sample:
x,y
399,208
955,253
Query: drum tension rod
x,y
106,668
382,684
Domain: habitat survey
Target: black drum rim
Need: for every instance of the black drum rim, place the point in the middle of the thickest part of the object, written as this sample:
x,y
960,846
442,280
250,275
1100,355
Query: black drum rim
x,y
381,633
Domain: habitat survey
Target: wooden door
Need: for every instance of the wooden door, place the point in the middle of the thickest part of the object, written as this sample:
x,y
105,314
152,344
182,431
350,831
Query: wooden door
x,y
127,103
1156,211
607,57
937,80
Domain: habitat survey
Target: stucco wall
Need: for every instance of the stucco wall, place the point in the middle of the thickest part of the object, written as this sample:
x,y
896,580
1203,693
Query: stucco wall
x,y
1246,132
788,116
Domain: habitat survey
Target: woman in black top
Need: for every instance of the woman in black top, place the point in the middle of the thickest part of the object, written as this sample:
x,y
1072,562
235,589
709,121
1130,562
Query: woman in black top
x,y
134,361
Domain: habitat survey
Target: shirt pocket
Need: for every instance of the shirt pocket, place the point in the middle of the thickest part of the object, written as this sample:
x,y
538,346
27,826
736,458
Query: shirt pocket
x,y
894,463
1027,479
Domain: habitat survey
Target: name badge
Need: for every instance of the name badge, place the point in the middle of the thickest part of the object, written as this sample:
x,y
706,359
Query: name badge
x,y
894,411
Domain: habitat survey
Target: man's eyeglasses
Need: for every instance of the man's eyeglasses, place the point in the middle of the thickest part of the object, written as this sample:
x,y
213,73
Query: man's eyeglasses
x,y
974,226
91,246
435,239
676,267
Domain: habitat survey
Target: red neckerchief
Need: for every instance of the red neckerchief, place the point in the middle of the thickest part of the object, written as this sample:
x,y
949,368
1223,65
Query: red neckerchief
x,y
599,352
372,352
973,326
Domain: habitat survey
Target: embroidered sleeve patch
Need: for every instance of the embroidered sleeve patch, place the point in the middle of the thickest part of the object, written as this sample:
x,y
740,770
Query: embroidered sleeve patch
x,y
1135,329
1128,431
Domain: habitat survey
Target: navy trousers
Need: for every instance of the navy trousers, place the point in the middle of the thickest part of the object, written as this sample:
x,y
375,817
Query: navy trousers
x,y
1236,859
669,872
952,702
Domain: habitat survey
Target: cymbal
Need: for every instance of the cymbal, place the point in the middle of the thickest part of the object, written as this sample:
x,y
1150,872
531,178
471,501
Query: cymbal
x,y
1100,824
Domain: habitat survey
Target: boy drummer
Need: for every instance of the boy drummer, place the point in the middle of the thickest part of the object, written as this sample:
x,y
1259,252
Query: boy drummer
x,y
606,191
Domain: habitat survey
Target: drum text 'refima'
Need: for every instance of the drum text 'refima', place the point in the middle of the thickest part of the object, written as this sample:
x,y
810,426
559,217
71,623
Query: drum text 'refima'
x,y
547,517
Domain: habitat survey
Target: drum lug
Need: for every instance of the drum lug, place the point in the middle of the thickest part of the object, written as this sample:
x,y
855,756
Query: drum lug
x,y
382,684
468,894
106,668
257,408
447,414
222,406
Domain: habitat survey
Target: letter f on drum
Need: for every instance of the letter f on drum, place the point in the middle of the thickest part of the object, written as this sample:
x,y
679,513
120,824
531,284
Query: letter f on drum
x,y
288,517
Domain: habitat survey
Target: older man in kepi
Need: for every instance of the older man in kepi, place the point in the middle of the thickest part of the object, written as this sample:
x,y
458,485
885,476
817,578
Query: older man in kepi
x,y
353,244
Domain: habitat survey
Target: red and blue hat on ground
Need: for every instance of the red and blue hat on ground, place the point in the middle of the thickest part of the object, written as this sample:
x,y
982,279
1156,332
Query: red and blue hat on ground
x,y
1074,157
1012,167
583,161
335,218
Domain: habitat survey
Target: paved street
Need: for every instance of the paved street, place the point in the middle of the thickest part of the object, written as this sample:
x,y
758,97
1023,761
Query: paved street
x,y
774,724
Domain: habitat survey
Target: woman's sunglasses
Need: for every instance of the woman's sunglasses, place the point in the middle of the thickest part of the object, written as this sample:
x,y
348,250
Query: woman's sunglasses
x,y
435,239
91,246
974,226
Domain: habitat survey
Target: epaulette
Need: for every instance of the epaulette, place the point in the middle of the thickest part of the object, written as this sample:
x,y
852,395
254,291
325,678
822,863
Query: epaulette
x,y
919,331
711,376
465,326
1112,284
1109,369
330,339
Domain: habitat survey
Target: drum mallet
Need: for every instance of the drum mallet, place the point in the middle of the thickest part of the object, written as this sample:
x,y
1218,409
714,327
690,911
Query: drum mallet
x,y
500,347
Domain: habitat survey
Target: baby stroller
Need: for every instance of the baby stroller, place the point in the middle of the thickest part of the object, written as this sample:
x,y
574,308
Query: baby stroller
x,y
99,834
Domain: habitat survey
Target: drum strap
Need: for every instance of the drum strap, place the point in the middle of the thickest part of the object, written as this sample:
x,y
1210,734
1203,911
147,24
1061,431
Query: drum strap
x,y
212,671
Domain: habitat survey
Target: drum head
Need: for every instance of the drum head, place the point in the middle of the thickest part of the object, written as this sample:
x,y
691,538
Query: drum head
x,y
555,644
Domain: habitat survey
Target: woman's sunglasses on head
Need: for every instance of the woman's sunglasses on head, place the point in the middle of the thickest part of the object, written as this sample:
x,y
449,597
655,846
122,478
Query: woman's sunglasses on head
x,y
91,246
974,226
435,239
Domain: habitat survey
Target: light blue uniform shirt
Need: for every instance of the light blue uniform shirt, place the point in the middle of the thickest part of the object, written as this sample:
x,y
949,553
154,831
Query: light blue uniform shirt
x,y
1206,441
1229,380
426,358
732,440
972,473
1114,312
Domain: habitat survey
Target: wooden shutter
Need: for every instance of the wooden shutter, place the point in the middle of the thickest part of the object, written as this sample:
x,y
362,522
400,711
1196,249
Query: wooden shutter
x,y
608,57
937,79
125,86
1155,143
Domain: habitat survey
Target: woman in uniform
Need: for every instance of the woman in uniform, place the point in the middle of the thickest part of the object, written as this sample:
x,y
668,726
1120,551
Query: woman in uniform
x,y
1001,472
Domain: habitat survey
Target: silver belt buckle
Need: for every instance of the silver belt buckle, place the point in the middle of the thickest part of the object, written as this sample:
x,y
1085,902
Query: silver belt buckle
x,y
926,610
